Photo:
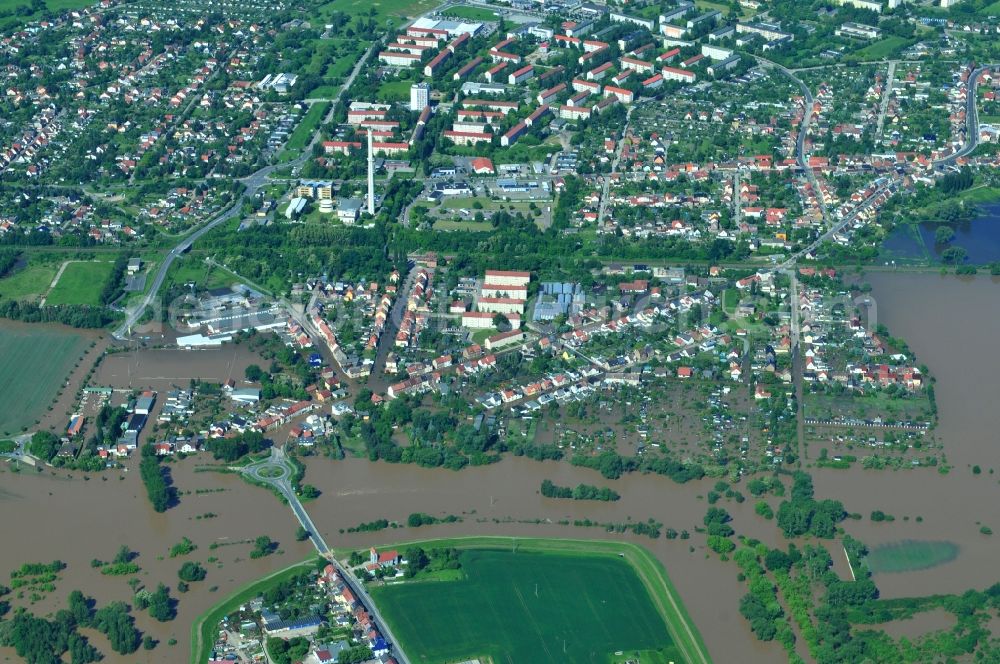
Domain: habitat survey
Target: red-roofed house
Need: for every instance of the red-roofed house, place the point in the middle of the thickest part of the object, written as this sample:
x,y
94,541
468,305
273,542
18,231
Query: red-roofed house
x,y
482,166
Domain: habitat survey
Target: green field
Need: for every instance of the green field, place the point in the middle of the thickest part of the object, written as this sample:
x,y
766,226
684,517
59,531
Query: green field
x,y
34,362
80,283
383,8
28,283
991,10
52,5
190,269
471,13
550,601
910,556
883,48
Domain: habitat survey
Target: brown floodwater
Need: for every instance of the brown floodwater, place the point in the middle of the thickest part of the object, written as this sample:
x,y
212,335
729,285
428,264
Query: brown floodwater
x,y
951,324
498,499
922,623
48,516
165,368
91,519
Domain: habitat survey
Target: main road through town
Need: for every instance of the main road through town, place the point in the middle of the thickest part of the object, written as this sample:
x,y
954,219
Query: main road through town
x,y
276,472
251,185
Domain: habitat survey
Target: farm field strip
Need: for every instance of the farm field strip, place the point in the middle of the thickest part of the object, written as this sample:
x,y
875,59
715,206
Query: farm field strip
x,y
32,367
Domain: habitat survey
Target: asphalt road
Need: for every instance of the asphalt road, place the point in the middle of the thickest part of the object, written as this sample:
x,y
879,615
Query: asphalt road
x,y
971,118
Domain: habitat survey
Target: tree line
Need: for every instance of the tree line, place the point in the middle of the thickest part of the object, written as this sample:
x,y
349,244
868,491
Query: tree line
x,y
613,465
82,316
156,478
114,286
579,492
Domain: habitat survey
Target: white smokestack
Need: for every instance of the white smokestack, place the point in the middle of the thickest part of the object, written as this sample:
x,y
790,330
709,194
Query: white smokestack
x,y
371,175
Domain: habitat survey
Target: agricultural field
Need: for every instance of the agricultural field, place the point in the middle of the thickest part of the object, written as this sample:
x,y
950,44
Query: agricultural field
x,y
910,556
528,606
34,362
80,283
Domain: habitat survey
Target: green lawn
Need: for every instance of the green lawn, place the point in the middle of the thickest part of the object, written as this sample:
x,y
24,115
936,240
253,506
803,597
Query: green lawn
x,y
191,269
911,555
80,283
52,5
528,606
480,336
882,49
730,300
34,362
305,129
394,91
980,194
471,13
383,8
338,69
991,10
325,92
28,283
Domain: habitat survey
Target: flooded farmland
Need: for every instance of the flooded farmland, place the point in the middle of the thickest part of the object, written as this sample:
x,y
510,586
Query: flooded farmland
x,y
951,324
95,517
46,517
948,322
166,368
